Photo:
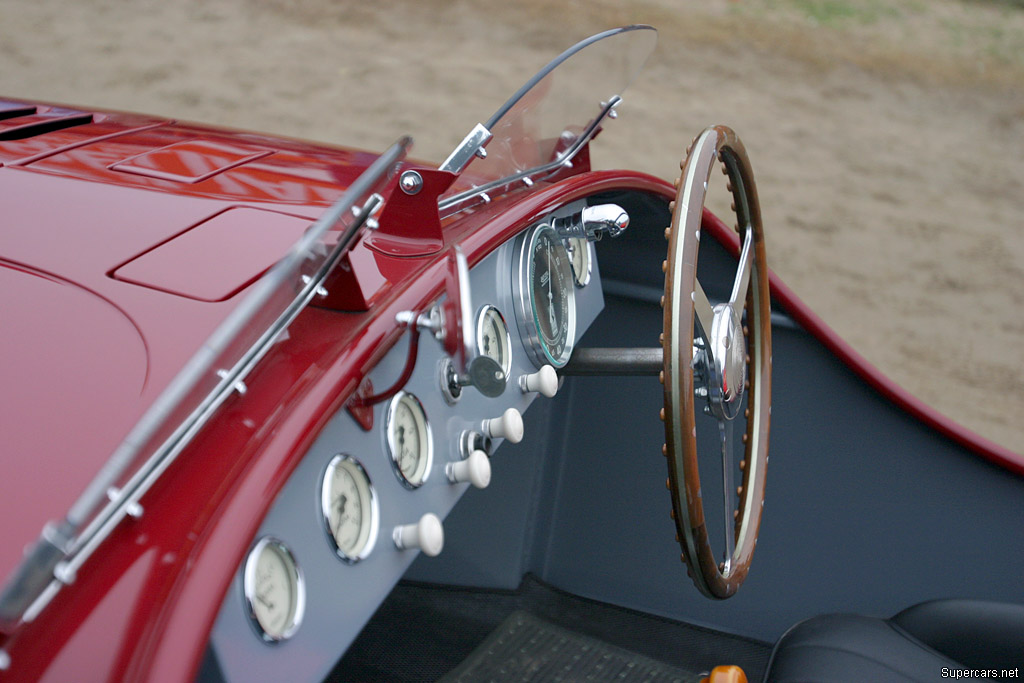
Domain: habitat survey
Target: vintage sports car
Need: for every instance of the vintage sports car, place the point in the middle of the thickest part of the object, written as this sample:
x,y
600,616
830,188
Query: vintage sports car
x,y
282,411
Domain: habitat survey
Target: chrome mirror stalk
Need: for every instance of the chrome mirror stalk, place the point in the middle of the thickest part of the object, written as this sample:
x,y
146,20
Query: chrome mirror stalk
x,y
593,222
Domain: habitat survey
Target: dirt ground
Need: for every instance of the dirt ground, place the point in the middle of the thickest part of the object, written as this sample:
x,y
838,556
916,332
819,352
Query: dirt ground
x,y
887,138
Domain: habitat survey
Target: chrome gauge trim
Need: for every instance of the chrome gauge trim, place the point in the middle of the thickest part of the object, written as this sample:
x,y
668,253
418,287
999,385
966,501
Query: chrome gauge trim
x,y
581,275
297,585
426,458
524,304
371,508
481,321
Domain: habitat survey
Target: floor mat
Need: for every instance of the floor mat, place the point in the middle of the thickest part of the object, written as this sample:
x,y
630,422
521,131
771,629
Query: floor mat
x,y
525,648
422,632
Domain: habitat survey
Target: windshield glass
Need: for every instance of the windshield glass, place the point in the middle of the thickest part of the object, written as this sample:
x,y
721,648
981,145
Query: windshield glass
x,y
549,119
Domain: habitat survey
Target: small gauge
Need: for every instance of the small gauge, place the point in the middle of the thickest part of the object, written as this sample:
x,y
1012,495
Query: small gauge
x,y
545,297
275,592
579,257
409,440
492,338
349,506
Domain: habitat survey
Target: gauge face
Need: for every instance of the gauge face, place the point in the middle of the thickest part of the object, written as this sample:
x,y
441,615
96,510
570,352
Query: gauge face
x,y
546,303
492,338
274,590
579,257
349,506
408,439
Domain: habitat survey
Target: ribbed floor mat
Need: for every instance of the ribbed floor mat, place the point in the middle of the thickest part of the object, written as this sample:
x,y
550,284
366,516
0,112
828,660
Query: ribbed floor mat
x,y
525,648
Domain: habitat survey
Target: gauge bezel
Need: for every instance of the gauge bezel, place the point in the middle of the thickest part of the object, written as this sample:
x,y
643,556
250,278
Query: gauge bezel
x,y
389,439
298,584
581,280
481,316
372,506
522,294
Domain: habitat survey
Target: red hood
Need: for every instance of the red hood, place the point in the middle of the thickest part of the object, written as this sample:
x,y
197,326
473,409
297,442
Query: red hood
x,y
125,240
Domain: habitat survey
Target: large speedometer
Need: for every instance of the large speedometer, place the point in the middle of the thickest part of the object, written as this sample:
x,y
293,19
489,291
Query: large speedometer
x,y
545,296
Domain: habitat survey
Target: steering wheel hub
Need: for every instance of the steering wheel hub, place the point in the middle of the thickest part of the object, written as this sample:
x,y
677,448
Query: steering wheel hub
x,y
728,372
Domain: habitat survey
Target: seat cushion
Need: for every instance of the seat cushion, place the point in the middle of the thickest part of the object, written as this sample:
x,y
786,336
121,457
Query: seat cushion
x,y
976,633
915,645
841,648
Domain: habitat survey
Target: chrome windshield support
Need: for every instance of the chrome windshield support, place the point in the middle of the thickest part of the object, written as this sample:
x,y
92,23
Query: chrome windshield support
x,y
471,146
63,548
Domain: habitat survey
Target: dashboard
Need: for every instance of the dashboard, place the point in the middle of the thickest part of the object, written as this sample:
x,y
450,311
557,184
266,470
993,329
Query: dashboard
x,y
362,505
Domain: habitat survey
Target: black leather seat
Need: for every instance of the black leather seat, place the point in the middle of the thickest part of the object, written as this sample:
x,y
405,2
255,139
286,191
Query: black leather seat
x,y
915,645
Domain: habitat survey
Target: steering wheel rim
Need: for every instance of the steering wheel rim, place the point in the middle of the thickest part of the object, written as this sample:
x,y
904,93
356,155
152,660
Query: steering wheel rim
x,y
710,347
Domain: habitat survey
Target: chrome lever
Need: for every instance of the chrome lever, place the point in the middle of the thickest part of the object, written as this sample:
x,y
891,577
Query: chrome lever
x,y
593,222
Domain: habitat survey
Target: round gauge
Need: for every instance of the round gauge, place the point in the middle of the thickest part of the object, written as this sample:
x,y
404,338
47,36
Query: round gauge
x,y
545,296
492,338
408,439
349,506
579,257
274,590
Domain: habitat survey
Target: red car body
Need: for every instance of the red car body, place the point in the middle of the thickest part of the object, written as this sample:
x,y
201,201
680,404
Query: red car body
x,y
127,239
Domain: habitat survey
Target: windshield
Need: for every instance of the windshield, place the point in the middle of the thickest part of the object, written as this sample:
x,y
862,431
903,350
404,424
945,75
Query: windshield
x,y
549,119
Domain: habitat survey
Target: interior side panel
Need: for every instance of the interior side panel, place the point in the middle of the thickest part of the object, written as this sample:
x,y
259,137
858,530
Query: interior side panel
x,y
866,510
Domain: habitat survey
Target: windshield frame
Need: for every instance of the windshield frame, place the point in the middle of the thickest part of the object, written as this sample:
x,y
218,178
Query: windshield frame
x,y
474,143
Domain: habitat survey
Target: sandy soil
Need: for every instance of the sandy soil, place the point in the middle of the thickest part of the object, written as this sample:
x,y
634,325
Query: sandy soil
x,y
888,139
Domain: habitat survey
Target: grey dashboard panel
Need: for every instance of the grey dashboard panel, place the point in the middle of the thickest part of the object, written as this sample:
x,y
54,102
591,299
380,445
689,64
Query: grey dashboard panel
x,y
341,597
867,509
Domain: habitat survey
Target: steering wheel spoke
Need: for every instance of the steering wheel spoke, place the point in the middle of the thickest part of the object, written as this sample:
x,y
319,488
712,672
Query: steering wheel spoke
x,y
742,282
725,428
717,359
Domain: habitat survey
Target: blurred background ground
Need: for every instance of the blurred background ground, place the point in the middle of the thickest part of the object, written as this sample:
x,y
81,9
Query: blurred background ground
x,y
887,137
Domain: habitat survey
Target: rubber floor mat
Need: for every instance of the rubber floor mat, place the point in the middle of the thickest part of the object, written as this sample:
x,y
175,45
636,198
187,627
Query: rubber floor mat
x,y
525,648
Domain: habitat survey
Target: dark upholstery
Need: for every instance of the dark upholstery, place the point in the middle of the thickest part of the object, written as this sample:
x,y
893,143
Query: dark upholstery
x,y
976,633
915,645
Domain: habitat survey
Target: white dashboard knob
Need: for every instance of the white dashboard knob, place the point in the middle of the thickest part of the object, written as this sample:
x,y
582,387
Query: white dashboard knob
x,y
476,469
544,381
509,426
426,534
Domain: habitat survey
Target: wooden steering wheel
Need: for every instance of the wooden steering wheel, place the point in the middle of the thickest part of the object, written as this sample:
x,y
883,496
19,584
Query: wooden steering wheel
x,y
713,357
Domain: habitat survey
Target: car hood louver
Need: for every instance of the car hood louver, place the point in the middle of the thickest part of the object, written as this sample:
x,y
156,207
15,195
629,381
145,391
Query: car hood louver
x,y
19,122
